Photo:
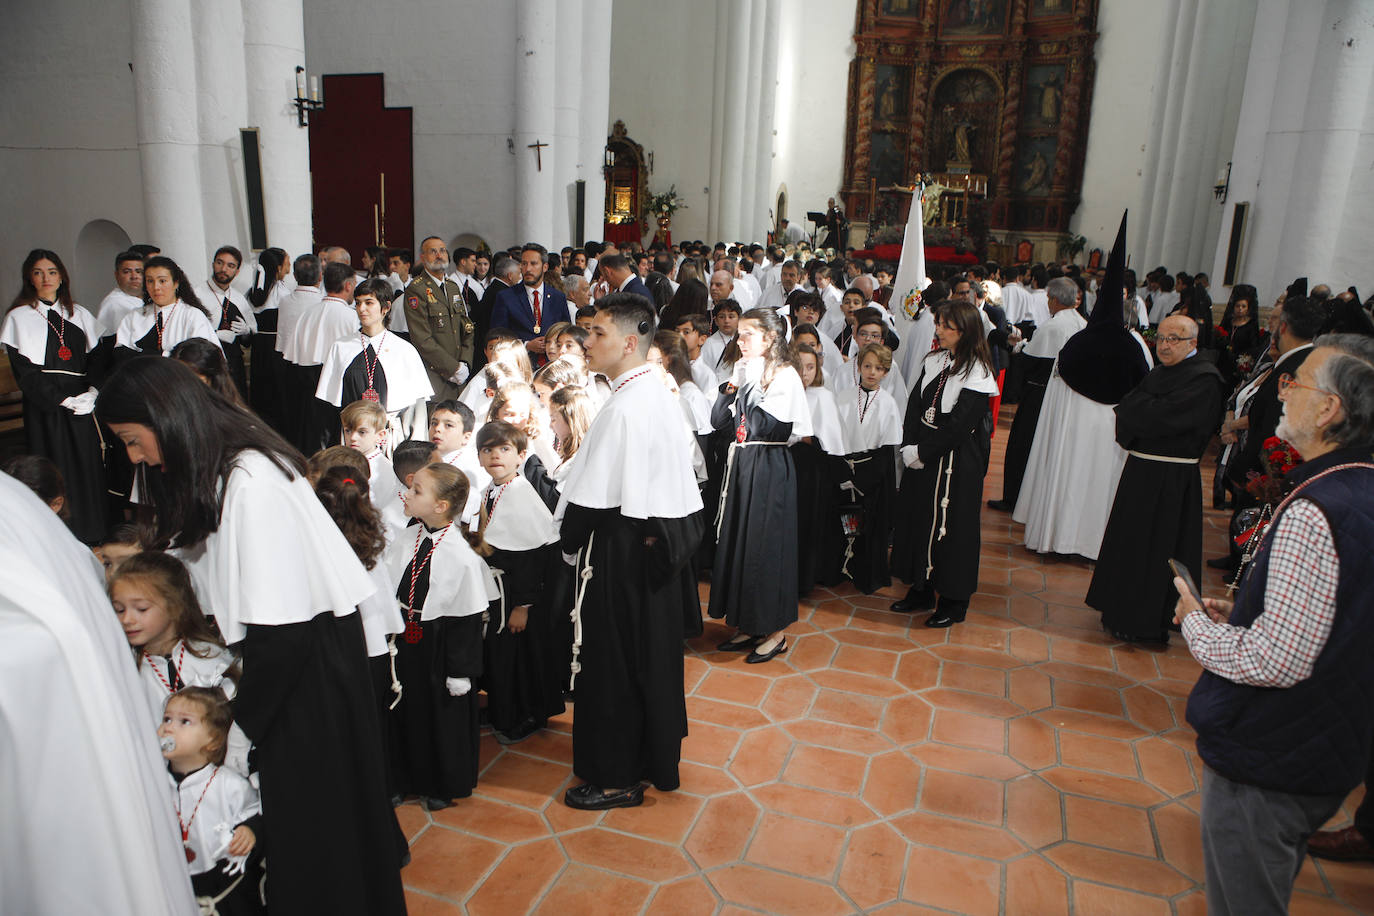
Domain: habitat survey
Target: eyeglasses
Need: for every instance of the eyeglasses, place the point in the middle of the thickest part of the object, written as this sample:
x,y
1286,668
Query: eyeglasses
x,y
1171,339
1287,381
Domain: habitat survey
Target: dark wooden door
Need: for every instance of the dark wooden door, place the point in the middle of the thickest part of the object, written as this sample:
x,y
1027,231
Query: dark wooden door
x,y
361,167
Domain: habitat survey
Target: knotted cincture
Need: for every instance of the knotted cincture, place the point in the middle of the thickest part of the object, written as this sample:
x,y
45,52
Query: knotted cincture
x,y
209,906
584,576
395,681
944,502
498,575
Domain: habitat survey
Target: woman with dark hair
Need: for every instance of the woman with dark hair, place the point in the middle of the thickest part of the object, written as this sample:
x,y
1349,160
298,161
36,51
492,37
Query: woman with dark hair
x,y
207,361
692,298
171,313
269,286
946,438
754,580
232,498
54,353
374,263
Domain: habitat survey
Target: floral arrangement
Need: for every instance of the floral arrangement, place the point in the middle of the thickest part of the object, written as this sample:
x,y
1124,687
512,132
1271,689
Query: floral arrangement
x,y
666,203
1278,458
1245,364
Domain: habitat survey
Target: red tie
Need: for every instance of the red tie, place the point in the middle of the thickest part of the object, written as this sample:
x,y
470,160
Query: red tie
x,y
536,312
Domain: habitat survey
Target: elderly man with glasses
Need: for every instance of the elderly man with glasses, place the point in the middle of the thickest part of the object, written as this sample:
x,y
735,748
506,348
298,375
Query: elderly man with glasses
x,y
1283,708
1164,424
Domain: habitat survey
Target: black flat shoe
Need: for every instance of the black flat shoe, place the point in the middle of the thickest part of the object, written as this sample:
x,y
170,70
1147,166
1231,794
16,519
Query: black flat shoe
x,y
911,604
435,804
1001,505
739,643
942,619
588,797
756,659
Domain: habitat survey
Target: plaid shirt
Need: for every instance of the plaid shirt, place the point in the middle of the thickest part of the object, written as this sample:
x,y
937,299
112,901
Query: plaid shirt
x,y
1281,646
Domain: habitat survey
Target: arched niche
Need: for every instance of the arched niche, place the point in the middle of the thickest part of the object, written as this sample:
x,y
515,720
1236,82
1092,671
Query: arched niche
x,y
92,265
468,240
627,186
965,127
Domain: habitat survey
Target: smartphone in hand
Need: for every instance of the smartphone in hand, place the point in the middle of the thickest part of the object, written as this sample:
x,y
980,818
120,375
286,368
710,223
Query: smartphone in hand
x,y
1181,572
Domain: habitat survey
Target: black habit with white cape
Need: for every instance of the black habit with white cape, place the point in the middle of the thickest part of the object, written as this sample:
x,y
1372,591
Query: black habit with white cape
x,y
936,539
280,579
630,511
71,441
754,579
1157,512
436,734
524,673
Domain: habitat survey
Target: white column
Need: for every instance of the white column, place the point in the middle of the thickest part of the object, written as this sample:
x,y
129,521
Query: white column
x,y
738,105
223,99
534,119
596,110
749,100
768,86
1334,149
273,46
165,105
566,161
718,108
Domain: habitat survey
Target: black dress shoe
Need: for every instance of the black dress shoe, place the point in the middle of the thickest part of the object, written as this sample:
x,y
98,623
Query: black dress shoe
x,y
588,797
435,804
737,644
942,619
1001,505
755,658
915,602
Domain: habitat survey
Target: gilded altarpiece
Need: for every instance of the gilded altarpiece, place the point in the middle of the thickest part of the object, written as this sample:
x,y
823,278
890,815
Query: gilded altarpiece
x,y
987,93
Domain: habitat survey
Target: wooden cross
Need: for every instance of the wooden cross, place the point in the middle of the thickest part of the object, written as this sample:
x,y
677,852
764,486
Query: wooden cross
x,y
538,145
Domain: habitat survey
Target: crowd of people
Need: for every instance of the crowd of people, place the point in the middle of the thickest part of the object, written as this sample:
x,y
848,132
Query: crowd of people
x,y
352,516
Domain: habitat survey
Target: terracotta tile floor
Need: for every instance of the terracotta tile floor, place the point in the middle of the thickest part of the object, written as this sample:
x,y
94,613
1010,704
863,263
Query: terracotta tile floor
x,y
1022,762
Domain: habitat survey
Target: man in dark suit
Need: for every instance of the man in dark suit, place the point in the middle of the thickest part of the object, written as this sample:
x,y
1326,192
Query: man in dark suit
x,y
505,273
533,307
620,276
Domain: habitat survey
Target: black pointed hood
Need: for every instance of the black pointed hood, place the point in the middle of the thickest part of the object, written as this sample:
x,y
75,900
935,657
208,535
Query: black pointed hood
x,y
1104,360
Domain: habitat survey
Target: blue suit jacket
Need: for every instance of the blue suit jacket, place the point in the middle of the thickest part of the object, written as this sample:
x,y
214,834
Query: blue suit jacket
x,y
512,310
636,285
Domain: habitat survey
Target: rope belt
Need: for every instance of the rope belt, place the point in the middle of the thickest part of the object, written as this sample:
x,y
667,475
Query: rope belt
x,y
1167,459
209,906
729,467
584,577
395,681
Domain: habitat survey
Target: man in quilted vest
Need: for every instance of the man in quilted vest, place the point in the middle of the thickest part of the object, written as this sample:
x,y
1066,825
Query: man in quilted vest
x,y
1284,709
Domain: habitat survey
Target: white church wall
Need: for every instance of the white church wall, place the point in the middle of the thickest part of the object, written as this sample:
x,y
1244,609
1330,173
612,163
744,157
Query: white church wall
x,y
663,60
813,82
1165,108
1303,149
70,153
463,171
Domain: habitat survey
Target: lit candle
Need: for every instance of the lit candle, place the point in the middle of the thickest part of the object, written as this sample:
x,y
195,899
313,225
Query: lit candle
x,y
314,88
300,84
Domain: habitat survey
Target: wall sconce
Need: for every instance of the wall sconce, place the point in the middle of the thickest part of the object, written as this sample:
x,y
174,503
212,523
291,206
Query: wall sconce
x,y
610,158
1223,184
306,103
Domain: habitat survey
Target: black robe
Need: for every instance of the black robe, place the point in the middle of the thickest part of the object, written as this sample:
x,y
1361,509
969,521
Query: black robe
x,y
639,604
437,734
1036,378
754,577
820,542
864,560
521,672
1157,513
234,349
266,381
306,704
71,442
933,545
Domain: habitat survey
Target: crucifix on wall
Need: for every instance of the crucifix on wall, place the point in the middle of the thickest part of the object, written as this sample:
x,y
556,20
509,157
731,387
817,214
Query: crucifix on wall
x,y
537,146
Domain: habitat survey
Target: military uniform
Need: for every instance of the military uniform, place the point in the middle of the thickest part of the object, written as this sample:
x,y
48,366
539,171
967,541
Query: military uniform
x,y
441,329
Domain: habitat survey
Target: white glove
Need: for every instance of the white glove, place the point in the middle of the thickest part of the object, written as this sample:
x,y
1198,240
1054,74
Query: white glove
x,y
910,458
240,327
457,686
740,374
461,374
225,336
81,404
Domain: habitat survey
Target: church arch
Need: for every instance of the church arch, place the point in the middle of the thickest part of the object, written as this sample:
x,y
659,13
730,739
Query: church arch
x,y
780,213
92,264
468,240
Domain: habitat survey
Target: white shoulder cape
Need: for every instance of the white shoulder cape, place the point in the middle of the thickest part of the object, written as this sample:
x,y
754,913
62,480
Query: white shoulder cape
x,y
881,424
825,420
522,521
460,584
26,329
406,379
